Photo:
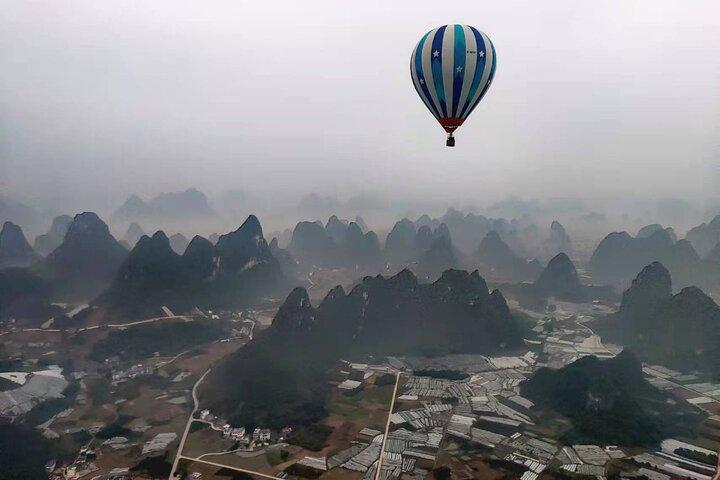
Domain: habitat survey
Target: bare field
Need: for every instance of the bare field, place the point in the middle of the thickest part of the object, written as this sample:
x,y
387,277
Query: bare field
x,y
205,440
211,472
341,474
468,466
351,413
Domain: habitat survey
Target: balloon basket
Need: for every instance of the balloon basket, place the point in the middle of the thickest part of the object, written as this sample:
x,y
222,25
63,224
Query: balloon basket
x,y
450,141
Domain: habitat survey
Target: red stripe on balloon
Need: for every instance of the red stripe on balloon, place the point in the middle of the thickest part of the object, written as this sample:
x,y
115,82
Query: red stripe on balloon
x,y
451,123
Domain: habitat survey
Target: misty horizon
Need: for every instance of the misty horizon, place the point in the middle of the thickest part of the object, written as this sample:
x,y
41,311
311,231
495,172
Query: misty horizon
x,y
585,103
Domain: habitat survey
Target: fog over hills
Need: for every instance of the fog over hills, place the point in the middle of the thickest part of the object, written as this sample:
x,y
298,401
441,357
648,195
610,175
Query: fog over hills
x,y
15,251
681,330
86,261
535,228
235,244
46,243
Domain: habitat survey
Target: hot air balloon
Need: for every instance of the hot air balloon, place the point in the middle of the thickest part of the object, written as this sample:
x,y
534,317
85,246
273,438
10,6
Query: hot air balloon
x,y
452,68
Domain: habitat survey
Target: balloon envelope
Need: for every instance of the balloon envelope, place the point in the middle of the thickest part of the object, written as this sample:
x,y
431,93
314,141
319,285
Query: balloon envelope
x,y
452,68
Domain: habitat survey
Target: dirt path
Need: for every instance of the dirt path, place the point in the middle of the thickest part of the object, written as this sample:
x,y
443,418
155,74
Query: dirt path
x,y
221,465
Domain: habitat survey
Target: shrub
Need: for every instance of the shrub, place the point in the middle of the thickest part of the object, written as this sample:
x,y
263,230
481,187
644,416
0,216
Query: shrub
x,y
311,437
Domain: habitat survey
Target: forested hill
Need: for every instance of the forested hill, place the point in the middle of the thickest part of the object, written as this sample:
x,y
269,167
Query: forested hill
x,y
279,378
609,402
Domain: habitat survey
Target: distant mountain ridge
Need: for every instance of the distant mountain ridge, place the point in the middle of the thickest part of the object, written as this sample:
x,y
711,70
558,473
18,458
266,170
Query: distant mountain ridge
x,y
400,242
312,243
427,250
178,243
681,330
315,205
17,213
503,251
238,269
336,244
188,204
705,236
620,256
439,256
86,261
649,230
284,257
559,279
46,243
522,235
498,262
558,241
133,234
15,251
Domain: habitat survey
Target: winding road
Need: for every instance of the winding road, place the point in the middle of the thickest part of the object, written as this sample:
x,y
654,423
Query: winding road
x,y
181,445
130,324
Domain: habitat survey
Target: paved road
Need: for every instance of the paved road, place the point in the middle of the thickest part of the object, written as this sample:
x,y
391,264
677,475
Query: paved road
x,y
138,322
387,427
111,325
165,364
178,455
717,470
592,332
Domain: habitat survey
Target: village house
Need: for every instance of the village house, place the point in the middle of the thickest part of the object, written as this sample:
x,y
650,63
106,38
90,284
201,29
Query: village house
x,y
261,435
234,433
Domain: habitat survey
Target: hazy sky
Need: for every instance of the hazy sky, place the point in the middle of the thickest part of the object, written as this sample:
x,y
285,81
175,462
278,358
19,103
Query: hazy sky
x,y
99,99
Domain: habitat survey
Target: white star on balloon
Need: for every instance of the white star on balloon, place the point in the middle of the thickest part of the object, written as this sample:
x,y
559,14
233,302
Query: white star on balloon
x,y
436,53
458,69
422,81
482,54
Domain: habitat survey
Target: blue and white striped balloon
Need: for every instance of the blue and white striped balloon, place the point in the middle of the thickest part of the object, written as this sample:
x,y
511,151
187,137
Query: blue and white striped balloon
x,y
452,68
